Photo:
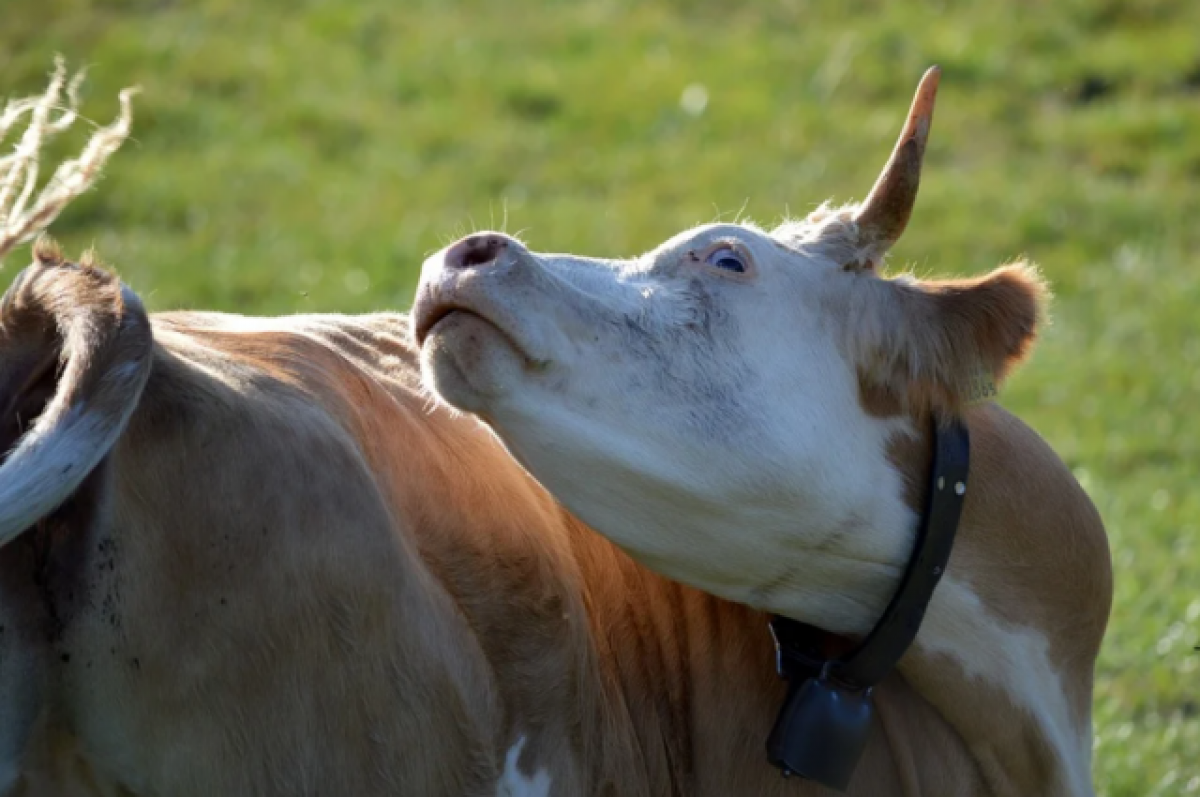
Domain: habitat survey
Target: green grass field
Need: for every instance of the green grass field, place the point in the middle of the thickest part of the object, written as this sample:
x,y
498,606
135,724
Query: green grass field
x,y
303,155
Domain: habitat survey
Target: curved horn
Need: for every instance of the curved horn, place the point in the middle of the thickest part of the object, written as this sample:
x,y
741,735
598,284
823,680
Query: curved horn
x,y
885,213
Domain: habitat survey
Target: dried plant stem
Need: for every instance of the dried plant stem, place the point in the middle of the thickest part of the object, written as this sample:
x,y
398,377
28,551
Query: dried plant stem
x,y
24,212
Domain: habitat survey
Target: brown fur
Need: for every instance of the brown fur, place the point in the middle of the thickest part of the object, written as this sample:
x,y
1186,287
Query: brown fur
x,y
1031,546
931,346
1030,532
301,577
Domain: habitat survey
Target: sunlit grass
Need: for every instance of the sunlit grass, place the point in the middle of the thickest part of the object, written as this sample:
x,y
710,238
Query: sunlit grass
x,y
307,156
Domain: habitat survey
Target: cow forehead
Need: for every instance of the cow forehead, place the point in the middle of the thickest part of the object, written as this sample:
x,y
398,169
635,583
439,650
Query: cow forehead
x,y
665,288
762,246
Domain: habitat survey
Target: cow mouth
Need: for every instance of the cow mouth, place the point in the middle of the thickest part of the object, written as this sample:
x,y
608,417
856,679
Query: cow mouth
x,y
428,320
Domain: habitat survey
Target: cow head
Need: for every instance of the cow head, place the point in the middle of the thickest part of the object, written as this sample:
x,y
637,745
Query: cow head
x,y
722,406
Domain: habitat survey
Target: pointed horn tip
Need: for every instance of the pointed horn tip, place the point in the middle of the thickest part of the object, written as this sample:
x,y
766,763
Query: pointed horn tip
x,y
920,116
928,86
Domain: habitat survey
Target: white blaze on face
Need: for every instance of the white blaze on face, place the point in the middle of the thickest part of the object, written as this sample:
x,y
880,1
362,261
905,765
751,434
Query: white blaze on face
x,y
695,405
513,783
702,405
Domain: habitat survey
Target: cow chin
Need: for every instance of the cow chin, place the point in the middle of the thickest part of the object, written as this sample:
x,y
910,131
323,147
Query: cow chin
x,y
470,363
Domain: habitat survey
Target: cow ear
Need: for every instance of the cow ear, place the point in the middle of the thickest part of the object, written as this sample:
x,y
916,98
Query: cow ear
x,y
937,346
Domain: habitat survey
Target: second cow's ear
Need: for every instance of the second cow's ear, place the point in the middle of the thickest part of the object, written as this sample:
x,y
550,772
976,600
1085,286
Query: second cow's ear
x,y
935,346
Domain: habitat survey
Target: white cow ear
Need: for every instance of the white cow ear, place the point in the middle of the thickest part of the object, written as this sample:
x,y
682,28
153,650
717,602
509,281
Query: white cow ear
x,y
936,346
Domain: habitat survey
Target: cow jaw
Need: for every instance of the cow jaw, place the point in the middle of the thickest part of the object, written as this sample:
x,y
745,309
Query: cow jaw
x,y
470,360
707,422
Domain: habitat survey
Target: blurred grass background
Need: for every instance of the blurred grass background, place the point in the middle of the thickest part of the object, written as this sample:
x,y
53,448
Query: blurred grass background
x,y
305,155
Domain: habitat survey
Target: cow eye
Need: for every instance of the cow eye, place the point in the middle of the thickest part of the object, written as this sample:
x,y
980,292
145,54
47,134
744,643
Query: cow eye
x,y
726,259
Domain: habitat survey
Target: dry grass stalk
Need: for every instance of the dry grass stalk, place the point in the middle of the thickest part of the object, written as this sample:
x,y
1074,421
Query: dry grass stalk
x,y
22,213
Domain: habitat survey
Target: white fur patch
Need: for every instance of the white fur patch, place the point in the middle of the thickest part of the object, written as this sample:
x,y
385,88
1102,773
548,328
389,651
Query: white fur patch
x,y
513,783
1017,661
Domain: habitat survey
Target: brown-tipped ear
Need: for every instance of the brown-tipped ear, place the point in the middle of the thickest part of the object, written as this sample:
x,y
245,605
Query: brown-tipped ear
x,y
937,346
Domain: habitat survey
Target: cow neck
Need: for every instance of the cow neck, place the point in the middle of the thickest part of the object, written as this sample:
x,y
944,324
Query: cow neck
x,y
821,728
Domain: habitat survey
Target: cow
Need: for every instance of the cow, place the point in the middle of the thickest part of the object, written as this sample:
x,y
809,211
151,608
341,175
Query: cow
x,y
751,412
297,555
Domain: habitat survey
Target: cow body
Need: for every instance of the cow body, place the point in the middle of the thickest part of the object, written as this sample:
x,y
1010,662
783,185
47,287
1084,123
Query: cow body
x,y
295,574
249,556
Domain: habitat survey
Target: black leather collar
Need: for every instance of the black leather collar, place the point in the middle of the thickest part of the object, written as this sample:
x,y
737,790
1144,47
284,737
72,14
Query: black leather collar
x,y
822,727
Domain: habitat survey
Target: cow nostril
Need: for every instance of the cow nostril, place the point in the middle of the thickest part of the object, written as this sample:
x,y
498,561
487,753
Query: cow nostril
x,y
483,253
475,250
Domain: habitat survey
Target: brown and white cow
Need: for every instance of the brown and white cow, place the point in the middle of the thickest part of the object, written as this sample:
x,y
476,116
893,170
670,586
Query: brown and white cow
x,y
747,412
245,556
